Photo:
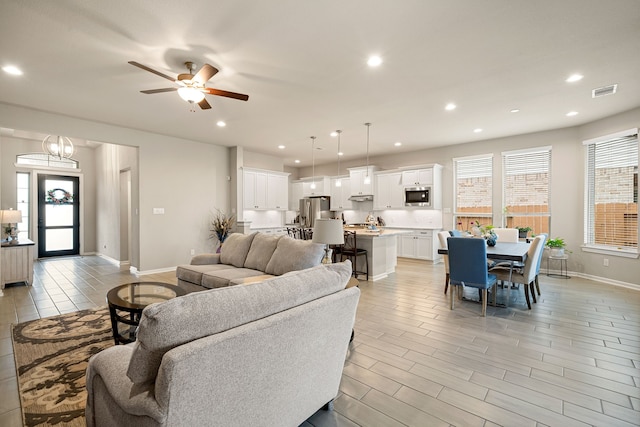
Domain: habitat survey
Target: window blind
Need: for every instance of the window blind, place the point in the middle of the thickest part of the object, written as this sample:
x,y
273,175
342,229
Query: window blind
x,y
526,182
473,190
611,202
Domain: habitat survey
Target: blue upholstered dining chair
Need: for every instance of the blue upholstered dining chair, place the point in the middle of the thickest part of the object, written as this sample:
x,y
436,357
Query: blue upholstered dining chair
x,y
468,266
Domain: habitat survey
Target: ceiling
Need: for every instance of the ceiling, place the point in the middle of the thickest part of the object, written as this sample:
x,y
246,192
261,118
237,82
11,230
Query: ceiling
x,y
303,65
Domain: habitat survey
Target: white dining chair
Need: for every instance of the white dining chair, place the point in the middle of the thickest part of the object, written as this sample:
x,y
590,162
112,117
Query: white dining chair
x,y
442,236
509,235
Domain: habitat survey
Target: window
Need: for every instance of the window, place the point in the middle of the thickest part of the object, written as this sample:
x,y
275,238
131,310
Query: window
x,y
611,194
473,181
525,188
22,204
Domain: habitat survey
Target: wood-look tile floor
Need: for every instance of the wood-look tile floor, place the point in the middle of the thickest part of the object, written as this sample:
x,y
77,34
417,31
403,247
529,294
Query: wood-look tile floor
x,y
573,360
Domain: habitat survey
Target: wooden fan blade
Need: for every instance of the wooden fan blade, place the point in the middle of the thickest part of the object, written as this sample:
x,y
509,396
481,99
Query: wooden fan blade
x,y
167,89
219,92
151,70
206,72
204,104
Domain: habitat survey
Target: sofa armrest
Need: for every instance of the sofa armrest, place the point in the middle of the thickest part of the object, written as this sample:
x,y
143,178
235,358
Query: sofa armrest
x,y
109,387
205,259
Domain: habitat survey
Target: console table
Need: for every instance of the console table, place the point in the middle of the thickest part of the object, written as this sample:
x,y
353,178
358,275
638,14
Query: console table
x,y
17,262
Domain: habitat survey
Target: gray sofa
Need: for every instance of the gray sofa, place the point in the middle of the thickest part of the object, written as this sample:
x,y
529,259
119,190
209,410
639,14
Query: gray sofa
x,y
248,258
266,354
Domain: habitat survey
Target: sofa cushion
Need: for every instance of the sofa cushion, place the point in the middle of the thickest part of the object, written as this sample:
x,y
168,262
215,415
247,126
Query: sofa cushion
x,y
292,254
235,249
262,249
222,278
166,325
193,273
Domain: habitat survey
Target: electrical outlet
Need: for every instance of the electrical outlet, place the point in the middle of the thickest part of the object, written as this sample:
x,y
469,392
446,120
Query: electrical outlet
x,y
193,251
605,262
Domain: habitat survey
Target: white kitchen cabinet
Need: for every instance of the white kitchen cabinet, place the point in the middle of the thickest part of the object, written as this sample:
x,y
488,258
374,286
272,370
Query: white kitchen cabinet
x,y
265,190
322,186
417,177
358,177
296,195
340,195
277,191
419,244
389,191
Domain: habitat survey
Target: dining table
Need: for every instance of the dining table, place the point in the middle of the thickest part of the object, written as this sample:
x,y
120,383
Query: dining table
x,y
510,252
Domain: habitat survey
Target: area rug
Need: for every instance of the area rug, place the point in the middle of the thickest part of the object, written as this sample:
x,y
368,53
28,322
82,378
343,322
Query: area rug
x,y
51,359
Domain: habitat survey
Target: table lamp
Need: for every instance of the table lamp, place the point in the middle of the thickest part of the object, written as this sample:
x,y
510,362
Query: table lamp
x,y
11,217
328,232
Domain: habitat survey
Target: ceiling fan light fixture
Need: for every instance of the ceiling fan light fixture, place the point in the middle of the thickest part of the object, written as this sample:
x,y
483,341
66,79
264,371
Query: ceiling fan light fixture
x,y
190,94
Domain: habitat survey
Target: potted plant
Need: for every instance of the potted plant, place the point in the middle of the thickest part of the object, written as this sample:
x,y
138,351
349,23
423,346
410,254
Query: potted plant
x,y
221,225
523,231
556,246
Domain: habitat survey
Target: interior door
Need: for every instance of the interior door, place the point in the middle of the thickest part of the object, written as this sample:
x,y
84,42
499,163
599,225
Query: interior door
x,y
58,215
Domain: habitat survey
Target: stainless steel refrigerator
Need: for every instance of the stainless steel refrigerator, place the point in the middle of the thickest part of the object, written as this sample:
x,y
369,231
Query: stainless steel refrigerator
x,y
312,208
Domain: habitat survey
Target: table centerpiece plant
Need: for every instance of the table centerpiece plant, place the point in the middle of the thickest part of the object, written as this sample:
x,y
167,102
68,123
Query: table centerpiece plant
x,y
486,232
221,225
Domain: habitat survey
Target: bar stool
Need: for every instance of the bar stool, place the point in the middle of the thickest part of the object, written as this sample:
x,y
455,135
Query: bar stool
x,y
351,251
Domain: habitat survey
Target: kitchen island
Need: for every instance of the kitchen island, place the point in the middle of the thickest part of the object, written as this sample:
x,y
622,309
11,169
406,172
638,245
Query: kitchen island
x,y
382,249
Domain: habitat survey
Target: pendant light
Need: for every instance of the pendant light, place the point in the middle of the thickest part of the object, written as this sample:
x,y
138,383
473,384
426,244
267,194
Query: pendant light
x,y
313,162
338,180
367,178
58,146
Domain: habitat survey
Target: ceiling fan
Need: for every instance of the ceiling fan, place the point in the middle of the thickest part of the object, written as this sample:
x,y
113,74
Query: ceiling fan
x,y
191,87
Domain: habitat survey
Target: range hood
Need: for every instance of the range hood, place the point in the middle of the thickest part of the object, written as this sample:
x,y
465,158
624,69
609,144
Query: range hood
x,y
361,198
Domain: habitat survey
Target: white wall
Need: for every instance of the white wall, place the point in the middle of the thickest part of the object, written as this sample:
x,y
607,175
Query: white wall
x,y
187,178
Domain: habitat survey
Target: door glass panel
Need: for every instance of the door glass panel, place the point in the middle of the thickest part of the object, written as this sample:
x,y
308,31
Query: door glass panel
x,y
59,215
59,239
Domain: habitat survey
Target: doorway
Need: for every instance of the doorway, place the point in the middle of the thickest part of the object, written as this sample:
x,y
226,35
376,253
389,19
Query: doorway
x,y
125,216
58,215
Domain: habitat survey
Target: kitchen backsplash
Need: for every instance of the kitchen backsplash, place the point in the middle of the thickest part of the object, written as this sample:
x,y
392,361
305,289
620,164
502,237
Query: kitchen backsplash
x,y
405,218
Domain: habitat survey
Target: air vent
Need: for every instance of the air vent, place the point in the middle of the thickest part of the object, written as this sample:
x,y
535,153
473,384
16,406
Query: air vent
x,y
603,91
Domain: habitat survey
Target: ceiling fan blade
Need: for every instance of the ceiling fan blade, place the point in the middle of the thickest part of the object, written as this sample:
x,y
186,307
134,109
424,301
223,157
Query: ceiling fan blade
x,y
204,104
151,70
167,89
206,72
219,92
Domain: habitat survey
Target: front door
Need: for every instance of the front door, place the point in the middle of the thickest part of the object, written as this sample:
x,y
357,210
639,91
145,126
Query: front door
x,y
58,215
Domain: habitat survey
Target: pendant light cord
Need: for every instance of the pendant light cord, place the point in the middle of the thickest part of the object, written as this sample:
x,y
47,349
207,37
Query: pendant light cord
x,y
367,125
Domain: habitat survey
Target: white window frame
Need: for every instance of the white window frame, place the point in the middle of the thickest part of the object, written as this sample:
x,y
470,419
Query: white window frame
x,y
588,208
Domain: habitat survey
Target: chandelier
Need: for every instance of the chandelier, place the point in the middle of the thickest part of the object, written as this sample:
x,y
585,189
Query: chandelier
x,y
58,146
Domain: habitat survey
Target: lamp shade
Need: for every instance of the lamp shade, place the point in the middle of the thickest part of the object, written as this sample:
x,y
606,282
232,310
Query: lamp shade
x,y
11,217
328,231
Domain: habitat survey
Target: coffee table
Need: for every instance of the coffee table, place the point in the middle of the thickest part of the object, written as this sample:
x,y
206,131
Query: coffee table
x,y
126,303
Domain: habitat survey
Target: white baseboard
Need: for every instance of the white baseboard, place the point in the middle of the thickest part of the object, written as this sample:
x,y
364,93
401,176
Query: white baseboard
x,y
147,272
619,283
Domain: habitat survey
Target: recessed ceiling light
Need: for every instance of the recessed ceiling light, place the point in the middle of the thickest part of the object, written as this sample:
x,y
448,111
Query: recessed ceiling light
x,y
374,61
333,134
572,113
282,147
450,106
12,69
477,130
574,78
398,144
340,153
515,110
297,161
221,124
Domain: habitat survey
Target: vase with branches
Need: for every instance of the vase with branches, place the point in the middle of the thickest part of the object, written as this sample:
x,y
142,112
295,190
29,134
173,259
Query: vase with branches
x,y
221,225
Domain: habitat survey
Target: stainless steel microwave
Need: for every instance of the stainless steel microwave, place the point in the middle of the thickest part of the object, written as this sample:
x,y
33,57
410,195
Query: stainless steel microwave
x,y
417,196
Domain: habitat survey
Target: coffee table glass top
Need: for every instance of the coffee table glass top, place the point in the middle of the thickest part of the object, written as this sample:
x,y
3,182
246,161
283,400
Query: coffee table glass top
x,y
141,294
